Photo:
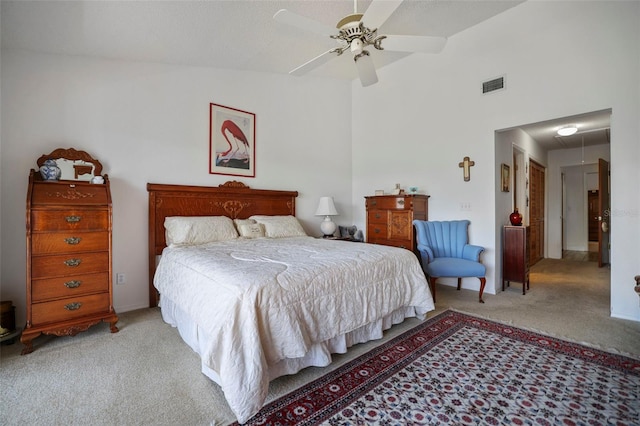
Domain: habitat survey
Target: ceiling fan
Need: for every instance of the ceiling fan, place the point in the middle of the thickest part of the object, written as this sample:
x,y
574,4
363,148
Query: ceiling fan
x,y
358,31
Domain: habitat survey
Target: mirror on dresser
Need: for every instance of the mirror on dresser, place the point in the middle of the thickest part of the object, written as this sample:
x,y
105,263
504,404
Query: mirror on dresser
x,y
72,164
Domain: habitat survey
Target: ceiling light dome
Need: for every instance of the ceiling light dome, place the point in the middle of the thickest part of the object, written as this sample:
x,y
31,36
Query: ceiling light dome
x,y
567,130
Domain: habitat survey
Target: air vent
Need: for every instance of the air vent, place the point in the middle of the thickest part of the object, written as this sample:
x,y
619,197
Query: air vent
x,y
493,85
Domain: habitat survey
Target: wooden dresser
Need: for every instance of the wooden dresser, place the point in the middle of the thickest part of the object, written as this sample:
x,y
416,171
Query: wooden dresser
x,y
68,258
515,256
390,218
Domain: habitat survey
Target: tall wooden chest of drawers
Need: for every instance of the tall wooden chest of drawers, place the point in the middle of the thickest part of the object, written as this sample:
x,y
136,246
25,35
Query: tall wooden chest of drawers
x,y
390,218
68,258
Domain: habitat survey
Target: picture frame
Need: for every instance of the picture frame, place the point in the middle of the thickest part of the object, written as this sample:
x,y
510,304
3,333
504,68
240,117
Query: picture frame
x,y
232,141
505,177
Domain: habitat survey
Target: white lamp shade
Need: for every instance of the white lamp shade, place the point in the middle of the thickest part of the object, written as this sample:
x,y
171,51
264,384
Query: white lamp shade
x,y
326,207
366,70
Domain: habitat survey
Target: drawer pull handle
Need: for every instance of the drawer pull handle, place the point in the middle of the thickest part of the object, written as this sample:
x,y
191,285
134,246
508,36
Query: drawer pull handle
x,y
378,216
73,219
72,284
73,306
72,262
374,202
377,231
73,240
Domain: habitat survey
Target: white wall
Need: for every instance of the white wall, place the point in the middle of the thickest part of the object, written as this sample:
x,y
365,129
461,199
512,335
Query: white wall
x,y
560,59
150,123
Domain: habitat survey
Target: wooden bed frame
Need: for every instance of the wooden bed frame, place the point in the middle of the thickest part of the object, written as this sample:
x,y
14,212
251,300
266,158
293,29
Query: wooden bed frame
x,y
232,199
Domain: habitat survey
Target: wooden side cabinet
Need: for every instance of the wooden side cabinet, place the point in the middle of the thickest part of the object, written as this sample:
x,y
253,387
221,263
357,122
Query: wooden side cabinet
x,y
69,276
515,256
390,218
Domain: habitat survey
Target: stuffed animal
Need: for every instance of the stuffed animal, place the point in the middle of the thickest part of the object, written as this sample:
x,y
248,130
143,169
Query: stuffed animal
x,y
351,232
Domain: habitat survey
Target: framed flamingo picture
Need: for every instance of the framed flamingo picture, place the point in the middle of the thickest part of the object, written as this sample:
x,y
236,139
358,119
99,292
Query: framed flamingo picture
x,y
232,141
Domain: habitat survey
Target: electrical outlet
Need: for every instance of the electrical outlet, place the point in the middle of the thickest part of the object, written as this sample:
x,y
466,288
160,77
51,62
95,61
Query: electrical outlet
x,y
120,278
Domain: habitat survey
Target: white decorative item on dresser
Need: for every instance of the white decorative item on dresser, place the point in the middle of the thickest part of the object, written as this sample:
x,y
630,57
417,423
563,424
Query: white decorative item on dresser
x,y
69,276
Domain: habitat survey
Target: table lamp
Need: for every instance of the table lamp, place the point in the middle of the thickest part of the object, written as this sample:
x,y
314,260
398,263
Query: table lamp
x,y
327,209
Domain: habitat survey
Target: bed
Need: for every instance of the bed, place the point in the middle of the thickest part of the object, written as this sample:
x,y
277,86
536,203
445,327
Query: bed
x,y
271,300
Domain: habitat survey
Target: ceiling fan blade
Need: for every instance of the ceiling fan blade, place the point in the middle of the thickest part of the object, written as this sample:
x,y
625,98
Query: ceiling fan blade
x,y
314,63
366,70
407,43
289,18
379,11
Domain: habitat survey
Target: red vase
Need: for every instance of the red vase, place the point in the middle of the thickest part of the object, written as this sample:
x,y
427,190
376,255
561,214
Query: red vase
x,y
515,218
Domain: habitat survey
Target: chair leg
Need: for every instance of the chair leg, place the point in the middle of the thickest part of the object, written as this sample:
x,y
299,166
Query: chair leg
x,y
483,282
432,284
459,282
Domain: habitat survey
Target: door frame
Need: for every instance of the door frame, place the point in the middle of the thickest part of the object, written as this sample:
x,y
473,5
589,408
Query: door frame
x,y
603,210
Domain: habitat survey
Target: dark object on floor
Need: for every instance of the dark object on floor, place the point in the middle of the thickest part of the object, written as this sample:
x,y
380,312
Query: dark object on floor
x,y
7,317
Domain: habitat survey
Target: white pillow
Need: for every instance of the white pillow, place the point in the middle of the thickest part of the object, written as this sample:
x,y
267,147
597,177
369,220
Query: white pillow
x,y
194,230
251,230
280,226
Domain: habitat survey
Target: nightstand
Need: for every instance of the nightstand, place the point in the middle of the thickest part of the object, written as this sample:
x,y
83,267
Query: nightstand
x,y
342,239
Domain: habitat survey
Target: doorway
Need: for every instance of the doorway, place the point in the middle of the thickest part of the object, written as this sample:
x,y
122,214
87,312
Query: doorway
x,y
536,212
563,160
585,201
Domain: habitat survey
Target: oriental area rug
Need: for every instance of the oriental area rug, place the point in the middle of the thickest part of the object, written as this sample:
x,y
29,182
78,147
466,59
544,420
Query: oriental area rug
x,y
457,369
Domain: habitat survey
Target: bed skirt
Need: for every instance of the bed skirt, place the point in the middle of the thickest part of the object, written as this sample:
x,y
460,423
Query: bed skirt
x,y
319,354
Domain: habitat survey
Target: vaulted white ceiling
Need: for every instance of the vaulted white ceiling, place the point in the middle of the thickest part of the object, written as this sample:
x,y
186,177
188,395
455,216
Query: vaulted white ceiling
x,y
238,34
242,35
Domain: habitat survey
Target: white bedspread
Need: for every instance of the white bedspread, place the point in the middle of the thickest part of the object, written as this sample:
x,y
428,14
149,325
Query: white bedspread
x,y
264,300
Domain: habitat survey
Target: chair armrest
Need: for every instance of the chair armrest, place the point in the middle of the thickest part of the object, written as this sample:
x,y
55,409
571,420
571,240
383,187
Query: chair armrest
x,y
471,252
426,253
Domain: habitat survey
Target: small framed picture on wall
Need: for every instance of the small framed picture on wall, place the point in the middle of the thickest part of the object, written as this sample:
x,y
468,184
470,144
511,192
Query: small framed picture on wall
x,y
505,177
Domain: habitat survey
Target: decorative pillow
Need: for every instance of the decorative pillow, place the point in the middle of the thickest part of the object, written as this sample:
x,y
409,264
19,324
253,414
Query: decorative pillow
x,y
280,226
251,230
194,230
239,222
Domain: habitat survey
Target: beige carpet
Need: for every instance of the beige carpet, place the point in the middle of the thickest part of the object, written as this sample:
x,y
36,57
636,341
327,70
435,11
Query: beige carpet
x,y
146,375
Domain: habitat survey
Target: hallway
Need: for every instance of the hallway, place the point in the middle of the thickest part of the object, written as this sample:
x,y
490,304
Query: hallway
x,y
580,256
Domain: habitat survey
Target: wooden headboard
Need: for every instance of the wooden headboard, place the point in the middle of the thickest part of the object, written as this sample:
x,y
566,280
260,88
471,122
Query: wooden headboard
x,y
232,199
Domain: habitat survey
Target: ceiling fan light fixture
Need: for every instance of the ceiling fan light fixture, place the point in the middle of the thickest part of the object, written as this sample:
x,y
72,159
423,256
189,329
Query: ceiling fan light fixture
x,y
354,35
366,69
567,130
357,46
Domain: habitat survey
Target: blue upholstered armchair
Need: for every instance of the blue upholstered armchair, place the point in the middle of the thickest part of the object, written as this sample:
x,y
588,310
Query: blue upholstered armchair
x,y
445,252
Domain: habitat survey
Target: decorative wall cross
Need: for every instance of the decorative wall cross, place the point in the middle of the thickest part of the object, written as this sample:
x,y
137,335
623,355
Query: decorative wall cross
x,y
466,168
